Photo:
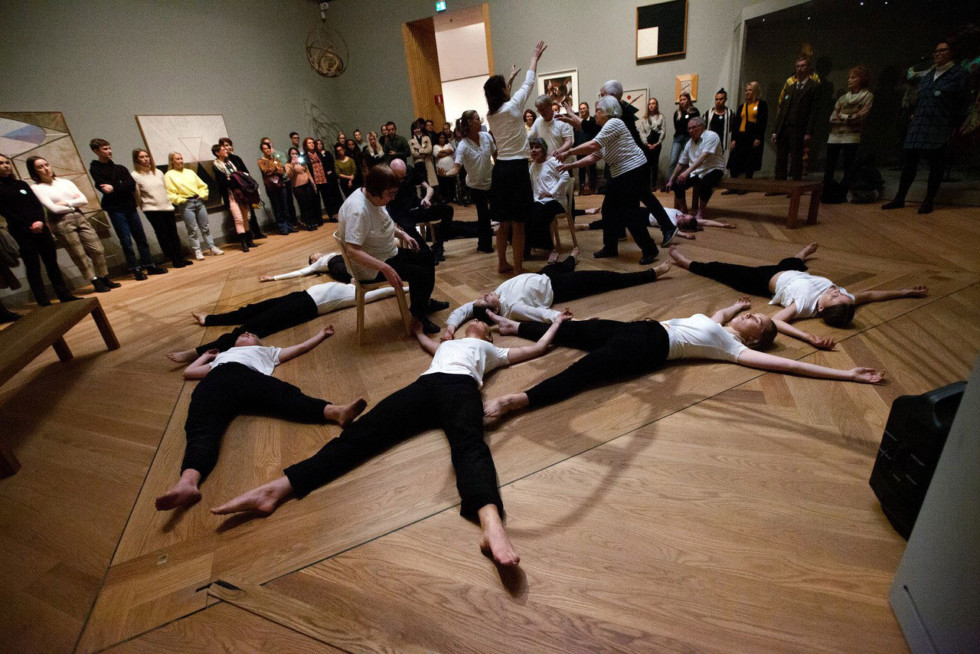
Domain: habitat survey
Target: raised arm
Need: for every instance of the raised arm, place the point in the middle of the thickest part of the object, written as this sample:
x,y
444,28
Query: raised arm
x,y
723,316
539,49
763,361
294,351
528,352
866,297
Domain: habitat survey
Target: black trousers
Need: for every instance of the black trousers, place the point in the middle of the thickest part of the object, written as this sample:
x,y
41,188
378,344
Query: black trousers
x,y
233,389
621,207
567,285
278,199
309,204
937,163
330,196
419,270
442,214
437,401
481,199
338,270
834,153
164,224
261,318
702,185
616,350
537,233
753,280
789,147
35,248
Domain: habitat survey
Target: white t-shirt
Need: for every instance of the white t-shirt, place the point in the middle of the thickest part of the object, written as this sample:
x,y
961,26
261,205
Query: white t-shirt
x,y
331,296
671,213
477,160
553,132
700,337
619,150
524,297
507,125
59,191
320,266
710,143
257,357
468,356
804,289
363,223
548,183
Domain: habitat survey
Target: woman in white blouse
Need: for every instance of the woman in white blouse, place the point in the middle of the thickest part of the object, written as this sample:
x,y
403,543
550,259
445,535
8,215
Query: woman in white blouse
x,y
475,153
443,152
151,194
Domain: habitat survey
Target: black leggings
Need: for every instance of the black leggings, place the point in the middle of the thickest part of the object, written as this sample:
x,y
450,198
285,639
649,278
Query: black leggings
x,y
442,214
937,164
484,230
439,400
616,350
753,280
230,390
537,233
621,207
419,270
37,248
262,318
567,285
164,225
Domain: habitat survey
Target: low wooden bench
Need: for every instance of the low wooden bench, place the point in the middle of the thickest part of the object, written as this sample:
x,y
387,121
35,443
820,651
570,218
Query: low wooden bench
x,y
793,189
23,340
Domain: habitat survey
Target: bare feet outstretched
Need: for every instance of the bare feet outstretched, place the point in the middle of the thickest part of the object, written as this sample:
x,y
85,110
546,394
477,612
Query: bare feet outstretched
x,y
504,268
495,542
183,356
807,251
553,256
184,493
501,406
679,258
662,269
199,316
574,253
265,499
344,414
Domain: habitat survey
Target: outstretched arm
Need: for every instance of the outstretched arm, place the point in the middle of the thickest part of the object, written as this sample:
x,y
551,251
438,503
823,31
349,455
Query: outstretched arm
x,y
763,361
707,222
294,351
427,343
201,366
881,296
528,352
722,316
786,315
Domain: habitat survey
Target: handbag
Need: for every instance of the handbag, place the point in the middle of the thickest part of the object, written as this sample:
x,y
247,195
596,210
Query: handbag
x,y
245,189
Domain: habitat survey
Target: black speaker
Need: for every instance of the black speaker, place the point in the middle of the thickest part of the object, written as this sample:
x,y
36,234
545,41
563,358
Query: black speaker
x,y
910,448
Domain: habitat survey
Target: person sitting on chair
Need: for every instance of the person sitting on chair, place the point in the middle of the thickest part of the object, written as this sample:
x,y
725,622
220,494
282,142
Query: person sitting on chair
x,y
550,187
700,168
408,210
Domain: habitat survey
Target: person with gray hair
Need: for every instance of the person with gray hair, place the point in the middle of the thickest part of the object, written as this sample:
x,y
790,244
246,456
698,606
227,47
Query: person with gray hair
x,y
630,180
557,135
701,166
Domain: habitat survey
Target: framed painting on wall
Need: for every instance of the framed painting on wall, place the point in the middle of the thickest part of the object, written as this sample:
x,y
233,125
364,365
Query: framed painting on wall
x,y
561,86
637,98
686,83
189,134
661,30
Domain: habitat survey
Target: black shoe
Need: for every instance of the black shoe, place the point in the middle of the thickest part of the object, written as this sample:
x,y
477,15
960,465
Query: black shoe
x,y
604,253
139,275
649,258
487,249
43,302
925,208
100,285
109,283
668,236
156,270
258,235
436,305
178,264
595,224
428,326
894,204
68,298
8,316
438,253
730,191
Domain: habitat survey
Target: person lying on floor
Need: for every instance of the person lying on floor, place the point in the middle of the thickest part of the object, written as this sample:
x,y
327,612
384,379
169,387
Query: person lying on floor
x,y
529,296
321,263
801,294
276,314
240,381
685,223
624,350
446,396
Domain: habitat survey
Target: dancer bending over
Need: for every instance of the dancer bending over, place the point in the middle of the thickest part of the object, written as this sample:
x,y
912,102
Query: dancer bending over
x,y
276,314
801,294
446,396
618,350
321,263
529,296
240,381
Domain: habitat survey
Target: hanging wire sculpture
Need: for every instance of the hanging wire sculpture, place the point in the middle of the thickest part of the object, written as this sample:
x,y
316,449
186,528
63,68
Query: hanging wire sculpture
x,y
326,57
321,126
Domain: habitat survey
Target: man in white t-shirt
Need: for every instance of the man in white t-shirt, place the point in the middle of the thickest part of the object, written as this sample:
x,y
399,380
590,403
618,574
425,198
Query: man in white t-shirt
x,y
446,396
558,136
240,381
700,168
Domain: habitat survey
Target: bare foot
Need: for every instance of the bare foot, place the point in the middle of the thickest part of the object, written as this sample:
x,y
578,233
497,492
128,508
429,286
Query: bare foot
x,y
504,268
581,227
553,256
807,251
662,269
183,356
519,270
199,316
344,414
495,542
506,326
679,258
574,253
184,493
264,499
498,407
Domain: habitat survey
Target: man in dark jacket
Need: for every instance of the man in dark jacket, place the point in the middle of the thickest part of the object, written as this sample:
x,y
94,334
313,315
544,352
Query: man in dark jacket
x,y
795,121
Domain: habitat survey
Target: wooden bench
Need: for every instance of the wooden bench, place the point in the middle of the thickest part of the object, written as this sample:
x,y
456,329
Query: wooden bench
x,y
793,189
23,340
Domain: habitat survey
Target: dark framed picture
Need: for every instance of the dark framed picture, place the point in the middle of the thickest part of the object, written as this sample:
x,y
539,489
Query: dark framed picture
x,y
661,30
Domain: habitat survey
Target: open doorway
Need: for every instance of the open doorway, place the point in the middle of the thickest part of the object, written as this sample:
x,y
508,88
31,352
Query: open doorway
x,y
449,57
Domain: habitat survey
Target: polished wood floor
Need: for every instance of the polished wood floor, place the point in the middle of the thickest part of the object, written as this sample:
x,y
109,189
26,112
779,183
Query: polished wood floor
x,y
705,507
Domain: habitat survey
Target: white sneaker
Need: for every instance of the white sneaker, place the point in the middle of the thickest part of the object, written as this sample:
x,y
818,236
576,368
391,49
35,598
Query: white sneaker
x,y
198,255
216,251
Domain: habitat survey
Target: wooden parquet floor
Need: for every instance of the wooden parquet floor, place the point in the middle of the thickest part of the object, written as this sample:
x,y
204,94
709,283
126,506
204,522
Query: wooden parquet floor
x,y
704,507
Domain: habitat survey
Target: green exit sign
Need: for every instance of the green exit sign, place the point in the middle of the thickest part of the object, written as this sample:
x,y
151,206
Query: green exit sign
x,y
441,6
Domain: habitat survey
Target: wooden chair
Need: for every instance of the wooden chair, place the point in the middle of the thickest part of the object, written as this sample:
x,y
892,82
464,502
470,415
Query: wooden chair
x,y
568,215
361,288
